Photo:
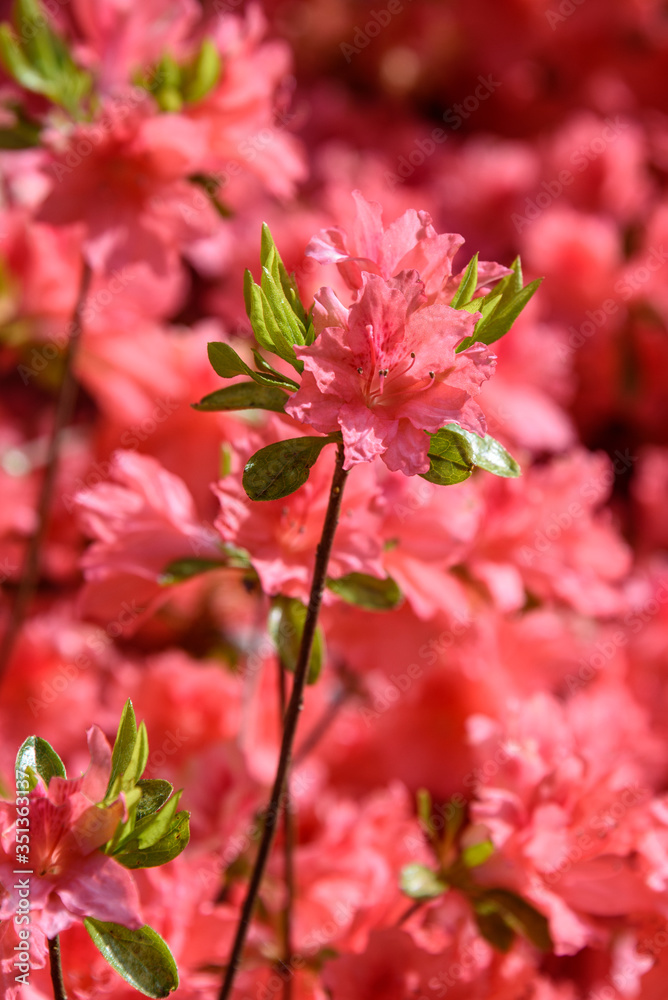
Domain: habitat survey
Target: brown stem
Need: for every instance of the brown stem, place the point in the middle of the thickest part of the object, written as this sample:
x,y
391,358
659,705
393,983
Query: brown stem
x,y
288,854
413,908
291,717
63,415
56,969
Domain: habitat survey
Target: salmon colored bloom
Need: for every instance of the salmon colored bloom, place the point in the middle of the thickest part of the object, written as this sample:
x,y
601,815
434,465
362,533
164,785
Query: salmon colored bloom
x,y
409,242
69,877
385,371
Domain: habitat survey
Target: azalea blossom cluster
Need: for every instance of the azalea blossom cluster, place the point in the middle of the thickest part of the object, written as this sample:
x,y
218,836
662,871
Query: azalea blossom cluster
x,y
476,802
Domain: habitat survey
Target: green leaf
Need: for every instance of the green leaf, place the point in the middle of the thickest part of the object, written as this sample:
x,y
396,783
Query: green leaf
x,y
477,854
138,761
279,469
486,452
153,828
244,396
184,569
450,459
420,882
271,259
226,362
269,321
39,59
140,956
424,804
164,850
286,627
124,746
467,285
275,310
518,914
203,73
37,757
494,929
367,591
266,369
500,308
154,794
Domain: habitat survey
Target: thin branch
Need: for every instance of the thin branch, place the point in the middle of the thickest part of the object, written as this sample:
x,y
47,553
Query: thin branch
x,y
291,717
62,417
288,852
56,967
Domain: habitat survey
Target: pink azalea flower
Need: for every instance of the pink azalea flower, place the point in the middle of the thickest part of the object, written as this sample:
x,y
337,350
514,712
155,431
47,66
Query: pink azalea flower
x,y
71,878
411,242
385,371
142,521
129,187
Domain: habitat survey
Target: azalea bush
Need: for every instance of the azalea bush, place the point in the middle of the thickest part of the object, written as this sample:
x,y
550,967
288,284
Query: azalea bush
x,y
333,448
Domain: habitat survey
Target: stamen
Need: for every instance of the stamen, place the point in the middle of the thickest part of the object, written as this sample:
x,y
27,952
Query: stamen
x,y
360,371
431,375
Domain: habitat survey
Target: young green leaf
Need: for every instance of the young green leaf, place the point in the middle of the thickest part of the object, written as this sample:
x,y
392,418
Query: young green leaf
x,y
244,396
486,453
184,569
494,929
420,882
140,956
138,760
477,854
467,285
154,794
450,459
37,757
366,591
286,626
126,737
500,308
279,469
518,914
165,849
271,259
202,74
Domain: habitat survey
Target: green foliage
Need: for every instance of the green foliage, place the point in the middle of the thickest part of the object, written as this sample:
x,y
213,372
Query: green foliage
x,y
279,469
499,309
154,832
140,956
174,85
36,758
420,882
496,907
226,362
455,452
467,285
367,592
450,459
286,627
244,396
39,60
274,308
